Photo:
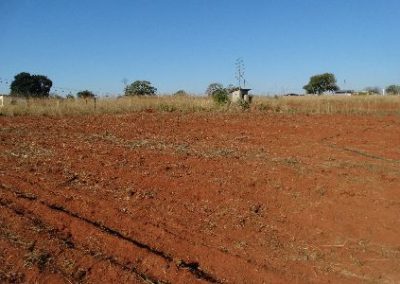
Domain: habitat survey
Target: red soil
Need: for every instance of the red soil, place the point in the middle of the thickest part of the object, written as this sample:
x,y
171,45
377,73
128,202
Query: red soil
x,y
183,198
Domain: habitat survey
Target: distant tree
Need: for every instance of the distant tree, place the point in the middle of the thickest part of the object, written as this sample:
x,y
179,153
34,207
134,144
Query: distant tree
x,y
181,93
70,97
28,85
213,87
393,90
140,88
373,90
85,94
321,83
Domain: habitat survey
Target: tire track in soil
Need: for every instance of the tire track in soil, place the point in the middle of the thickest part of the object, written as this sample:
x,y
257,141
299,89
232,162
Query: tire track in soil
x,y
12,268
65,243
34,254
192,267
184,276
220,263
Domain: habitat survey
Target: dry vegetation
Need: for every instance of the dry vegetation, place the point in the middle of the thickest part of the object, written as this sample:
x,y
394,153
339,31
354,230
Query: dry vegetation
x,y
304,105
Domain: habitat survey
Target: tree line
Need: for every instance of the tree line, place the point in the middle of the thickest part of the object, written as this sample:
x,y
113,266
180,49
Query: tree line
x,y
39,86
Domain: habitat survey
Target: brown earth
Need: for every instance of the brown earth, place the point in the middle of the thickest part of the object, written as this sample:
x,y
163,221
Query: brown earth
x,y
200,197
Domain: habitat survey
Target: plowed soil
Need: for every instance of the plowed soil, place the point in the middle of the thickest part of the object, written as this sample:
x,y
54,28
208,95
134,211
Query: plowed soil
x,y
158,197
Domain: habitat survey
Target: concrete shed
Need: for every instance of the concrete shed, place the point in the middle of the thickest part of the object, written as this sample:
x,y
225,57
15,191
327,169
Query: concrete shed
x,y
241,95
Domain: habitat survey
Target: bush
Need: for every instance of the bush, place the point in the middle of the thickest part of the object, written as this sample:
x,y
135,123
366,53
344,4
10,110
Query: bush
x,y
244,105
264,107
220,97
167,107
393,90
85,95
181,93
372,91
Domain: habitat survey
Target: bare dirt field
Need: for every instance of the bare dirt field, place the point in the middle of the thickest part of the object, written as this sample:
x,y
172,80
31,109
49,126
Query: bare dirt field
x,y
155,197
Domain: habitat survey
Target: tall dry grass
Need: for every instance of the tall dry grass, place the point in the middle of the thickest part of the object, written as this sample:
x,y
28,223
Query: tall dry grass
x,y
290,105
331,104
60,107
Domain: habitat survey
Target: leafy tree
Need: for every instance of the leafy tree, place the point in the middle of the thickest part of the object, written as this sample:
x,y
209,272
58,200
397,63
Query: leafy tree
x,y
181,93
373,90
393,90
28,85
85,94
140,88
213,87
321,83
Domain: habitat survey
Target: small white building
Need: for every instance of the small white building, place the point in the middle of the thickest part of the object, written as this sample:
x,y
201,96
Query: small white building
x,y
241,95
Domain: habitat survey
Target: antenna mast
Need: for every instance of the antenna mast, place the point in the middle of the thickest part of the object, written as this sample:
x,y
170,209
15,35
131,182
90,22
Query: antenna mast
x,y
240,72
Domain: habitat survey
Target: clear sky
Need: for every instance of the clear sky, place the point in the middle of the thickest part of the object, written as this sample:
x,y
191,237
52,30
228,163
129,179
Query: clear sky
x,y
187,44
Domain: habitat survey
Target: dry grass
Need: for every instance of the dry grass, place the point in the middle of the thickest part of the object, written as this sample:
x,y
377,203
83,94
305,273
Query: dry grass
x,y
290,105
60,107
337,104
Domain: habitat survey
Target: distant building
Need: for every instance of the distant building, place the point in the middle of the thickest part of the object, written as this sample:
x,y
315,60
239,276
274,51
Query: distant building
x,y
293,95
344,92
241,95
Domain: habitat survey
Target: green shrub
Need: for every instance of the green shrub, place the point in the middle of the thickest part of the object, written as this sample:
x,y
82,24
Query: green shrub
x,y
220,97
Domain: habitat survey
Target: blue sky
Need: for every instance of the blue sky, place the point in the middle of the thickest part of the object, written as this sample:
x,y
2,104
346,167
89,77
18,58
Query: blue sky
x,y
187,44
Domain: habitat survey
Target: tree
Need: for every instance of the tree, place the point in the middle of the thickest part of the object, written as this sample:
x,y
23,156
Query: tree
x,y
373,90
28,85
321,83
181,93
140,88
85,94
393,90
213,87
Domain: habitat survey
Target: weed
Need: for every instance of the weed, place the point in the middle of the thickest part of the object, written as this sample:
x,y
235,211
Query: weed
x,y
38,258
167,108
244,105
